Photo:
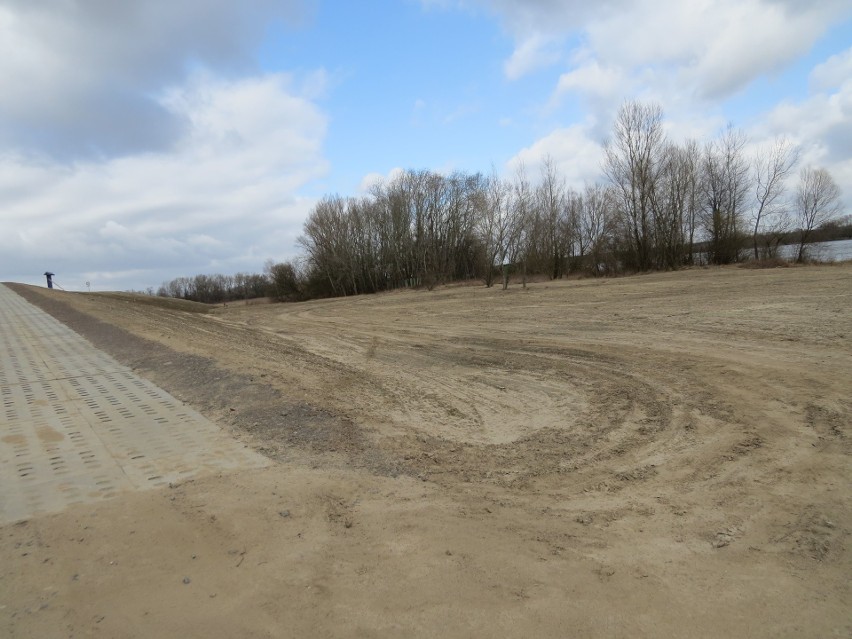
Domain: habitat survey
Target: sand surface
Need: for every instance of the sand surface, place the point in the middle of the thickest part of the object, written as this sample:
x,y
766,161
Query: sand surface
x,y
658,456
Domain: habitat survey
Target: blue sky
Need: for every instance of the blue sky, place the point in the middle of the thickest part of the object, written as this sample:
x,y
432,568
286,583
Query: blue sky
x,y
145,141
408,84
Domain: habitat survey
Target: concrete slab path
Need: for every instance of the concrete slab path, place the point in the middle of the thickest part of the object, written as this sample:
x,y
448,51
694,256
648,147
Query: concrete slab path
x,y
77,426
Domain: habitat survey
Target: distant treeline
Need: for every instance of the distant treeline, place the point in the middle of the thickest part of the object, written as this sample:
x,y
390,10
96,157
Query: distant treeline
x,y
662,205
214,289
837,229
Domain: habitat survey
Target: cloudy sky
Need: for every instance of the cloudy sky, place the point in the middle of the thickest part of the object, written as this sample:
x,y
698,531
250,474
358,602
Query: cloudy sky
x,y
142,141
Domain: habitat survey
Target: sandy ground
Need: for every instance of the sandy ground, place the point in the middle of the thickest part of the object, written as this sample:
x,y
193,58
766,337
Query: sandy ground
x,y
658,456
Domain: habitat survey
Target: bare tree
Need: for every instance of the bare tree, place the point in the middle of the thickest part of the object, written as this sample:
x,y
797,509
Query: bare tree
x,y
493,224
725,185
674,225
571,240
690,155
325,241
284,280
550,202
523,216
772,166
597,226
817,202
632,165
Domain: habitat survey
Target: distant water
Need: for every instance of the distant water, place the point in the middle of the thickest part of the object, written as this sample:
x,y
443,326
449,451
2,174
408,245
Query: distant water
x,y
825,251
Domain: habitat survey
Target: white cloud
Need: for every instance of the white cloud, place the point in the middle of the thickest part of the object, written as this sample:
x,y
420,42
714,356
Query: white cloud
x,y
533,53
225,194
832,73
82,78
713,47
821,125
574,150
524,18
374,179
594,80
690,57
747,40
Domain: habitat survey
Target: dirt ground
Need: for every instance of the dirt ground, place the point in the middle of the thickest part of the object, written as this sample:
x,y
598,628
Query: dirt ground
x,y
655,456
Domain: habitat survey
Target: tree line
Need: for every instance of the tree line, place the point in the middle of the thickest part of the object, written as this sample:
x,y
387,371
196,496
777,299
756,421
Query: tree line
x,y
661,204
215,289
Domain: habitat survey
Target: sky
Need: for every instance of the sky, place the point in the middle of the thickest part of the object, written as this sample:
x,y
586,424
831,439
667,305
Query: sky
x,y
144,141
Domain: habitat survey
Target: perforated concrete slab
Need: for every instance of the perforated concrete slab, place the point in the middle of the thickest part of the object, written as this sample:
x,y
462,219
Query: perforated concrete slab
x,y
77,426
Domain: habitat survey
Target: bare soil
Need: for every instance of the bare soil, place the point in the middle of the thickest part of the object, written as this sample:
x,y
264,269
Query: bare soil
x,y
663,456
